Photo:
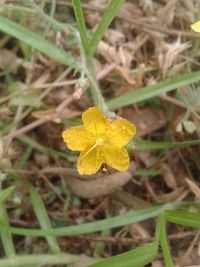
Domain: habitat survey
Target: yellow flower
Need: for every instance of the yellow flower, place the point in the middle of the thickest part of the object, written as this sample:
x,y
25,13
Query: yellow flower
x,y
196,26
100,142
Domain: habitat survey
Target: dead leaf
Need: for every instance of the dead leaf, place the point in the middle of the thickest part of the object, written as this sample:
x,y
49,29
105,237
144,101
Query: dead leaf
x,y
156,120
168,176
122,58
48,115
166,13
84,261
193,187
100,186
114,37
172,196
1,148
8,59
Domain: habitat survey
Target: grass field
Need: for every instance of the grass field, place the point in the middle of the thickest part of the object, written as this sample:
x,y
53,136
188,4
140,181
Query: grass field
x,y
136,60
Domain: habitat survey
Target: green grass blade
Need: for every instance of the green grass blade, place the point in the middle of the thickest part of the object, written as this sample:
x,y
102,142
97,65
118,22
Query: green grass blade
x,y
24,158
6,237
41,260
153,145
105,21
38,42
155,90
164,245
184,218
81,25
32,143
42,217
133,258
130,217
46,150
6,192
147,172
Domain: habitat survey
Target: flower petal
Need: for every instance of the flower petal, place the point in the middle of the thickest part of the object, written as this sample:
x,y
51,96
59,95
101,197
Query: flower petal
x,y
116,157
95,121
196,26
77,138
90,160
121,132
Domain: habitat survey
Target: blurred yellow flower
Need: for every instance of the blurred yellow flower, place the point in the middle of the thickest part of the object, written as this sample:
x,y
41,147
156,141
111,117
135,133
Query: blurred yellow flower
x,y
100,142
196,26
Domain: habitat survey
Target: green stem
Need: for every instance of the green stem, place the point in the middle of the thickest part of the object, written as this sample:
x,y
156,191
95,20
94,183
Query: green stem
x,y
95,91
51,20
87,58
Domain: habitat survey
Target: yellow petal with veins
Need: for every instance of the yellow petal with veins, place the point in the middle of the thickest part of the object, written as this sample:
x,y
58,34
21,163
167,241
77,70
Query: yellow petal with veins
x,y
90,160
196,26
77,138
94,121
121,132
116,157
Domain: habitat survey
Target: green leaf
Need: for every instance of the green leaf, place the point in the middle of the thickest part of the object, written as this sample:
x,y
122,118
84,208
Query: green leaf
x,y
133,258
150,91
130,217
183,217
36,41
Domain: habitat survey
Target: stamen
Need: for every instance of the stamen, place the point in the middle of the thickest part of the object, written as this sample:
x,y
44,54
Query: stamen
x,y
104,168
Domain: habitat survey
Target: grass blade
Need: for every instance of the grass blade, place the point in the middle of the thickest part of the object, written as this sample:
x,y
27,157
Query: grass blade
x,y
133,258
130,217
42,217
6,237
81,25
105,21
29,260
183,217
38,42
46,150
153,145
155,90
6,192
164,245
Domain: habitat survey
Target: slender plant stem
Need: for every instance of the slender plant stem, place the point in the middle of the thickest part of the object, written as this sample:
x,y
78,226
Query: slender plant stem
x,y
87,59
56,24
51,15
95,91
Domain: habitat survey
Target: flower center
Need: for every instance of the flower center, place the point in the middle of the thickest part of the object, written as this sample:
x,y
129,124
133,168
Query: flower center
x,y
101,139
